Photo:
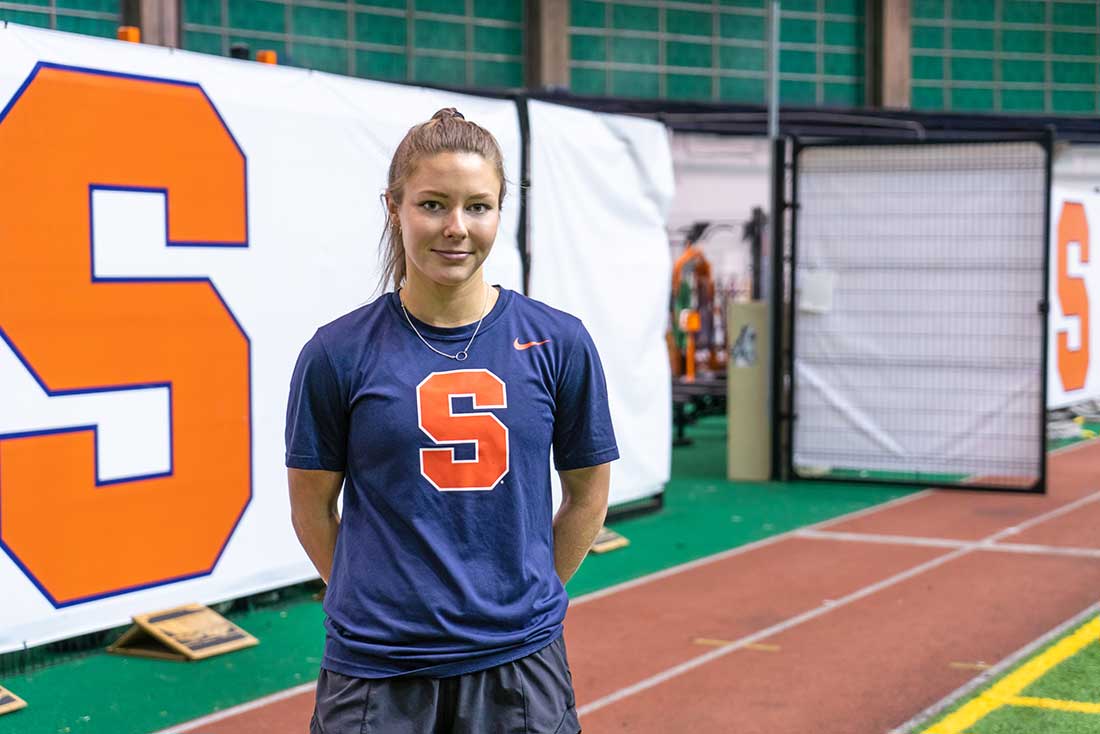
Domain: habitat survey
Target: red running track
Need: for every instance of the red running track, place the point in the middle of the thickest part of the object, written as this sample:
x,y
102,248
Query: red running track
x,y
849,627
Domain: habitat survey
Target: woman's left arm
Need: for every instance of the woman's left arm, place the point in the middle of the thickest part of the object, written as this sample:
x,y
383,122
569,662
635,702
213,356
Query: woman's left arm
x,y
580,517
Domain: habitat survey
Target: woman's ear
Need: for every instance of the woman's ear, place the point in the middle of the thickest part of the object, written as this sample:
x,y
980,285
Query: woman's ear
x,y
391,206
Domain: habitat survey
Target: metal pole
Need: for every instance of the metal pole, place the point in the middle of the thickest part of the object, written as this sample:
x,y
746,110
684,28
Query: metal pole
x,y
773,74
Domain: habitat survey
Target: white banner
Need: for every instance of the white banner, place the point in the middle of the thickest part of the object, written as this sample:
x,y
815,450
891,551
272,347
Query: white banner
x,y
173,227
1074,367
602,188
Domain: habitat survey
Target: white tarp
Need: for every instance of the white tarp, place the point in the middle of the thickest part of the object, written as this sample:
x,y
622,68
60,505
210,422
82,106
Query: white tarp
x,y
918,340
601,188
317,148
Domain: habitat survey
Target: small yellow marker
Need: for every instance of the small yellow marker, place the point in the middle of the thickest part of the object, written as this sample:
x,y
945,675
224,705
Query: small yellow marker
x,y
764,648
711,642
971,666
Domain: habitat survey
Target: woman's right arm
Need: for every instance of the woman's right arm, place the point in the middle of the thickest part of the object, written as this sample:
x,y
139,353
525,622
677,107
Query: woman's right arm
x,y
313,494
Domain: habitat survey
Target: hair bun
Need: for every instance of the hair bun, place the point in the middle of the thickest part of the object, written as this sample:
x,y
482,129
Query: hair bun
x,y
448,113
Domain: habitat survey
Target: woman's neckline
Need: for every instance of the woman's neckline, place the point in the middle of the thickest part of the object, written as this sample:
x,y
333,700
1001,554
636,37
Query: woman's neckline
x,y
452,332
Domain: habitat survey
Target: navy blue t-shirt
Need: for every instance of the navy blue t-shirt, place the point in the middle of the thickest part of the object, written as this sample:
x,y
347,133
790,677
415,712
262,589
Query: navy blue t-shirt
x,y
444,561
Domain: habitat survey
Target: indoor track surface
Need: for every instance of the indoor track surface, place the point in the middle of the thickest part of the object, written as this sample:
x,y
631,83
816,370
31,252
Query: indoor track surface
x,y
850,626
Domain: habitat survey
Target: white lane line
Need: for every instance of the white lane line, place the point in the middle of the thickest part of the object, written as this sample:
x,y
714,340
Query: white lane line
x,y
244,707
1025,548
1056,512
1043,550
764,542
882,539
995,672
701,660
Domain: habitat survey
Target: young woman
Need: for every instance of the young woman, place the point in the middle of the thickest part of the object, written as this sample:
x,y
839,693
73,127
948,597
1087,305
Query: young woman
x,y
436,408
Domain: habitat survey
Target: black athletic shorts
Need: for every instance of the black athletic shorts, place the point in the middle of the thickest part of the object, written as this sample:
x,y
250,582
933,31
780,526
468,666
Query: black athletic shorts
x,y
532,695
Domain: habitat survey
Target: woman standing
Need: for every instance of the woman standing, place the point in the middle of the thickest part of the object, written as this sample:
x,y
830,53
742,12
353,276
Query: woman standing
x,y
436,408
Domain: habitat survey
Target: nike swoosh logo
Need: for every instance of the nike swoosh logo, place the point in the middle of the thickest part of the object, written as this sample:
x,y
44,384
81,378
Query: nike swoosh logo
x,y
528,345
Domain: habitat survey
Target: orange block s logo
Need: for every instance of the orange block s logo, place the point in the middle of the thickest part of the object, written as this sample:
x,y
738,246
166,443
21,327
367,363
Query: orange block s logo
x,y
484,431
67,133
1073,364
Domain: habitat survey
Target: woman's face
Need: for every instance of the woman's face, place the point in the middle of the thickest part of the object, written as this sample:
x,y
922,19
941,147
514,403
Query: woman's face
x,y
449,217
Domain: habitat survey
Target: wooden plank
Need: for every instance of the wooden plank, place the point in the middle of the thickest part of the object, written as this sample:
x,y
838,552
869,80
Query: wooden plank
x,y
189,632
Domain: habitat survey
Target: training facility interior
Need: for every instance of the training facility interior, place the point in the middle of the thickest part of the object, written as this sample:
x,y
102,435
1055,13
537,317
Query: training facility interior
x,y
848,358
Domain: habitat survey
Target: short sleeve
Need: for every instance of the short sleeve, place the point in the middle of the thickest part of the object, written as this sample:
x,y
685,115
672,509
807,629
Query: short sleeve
x,y
316,413
583,435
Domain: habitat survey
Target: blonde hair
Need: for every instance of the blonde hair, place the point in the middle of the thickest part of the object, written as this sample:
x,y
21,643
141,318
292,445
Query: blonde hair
x,y
447,132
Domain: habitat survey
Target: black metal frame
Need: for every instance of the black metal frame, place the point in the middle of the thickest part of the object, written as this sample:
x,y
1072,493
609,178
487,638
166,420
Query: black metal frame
x,y
777,262
524,184
784,360
1044,308
754,233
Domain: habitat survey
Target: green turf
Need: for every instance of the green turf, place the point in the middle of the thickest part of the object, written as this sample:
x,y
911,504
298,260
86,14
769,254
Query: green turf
x,y
107,693
1026,720
703,514
1075,679
895,476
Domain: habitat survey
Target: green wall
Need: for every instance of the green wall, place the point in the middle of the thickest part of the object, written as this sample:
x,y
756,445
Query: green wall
x,y
1040,56
717,50
476,43
90,17
1005,55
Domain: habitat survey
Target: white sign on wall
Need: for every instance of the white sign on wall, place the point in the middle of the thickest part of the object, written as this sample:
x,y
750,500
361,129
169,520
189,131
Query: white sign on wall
x,y
1074,366
173,227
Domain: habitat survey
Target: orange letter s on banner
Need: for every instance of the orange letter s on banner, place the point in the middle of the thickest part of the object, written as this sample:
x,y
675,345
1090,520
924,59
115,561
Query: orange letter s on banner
x,y
67,133
1073,365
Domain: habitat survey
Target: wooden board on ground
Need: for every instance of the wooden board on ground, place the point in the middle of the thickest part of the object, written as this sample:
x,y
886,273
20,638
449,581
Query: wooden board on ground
x,y
608,540
10,702
190,632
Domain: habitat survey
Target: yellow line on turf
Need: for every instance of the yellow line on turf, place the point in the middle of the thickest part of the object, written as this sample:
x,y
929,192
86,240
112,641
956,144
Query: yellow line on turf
x,y
1078,707
1008,688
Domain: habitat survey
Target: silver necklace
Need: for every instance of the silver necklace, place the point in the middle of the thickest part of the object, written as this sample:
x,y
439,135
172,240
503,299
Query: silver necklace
x,y
464,353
